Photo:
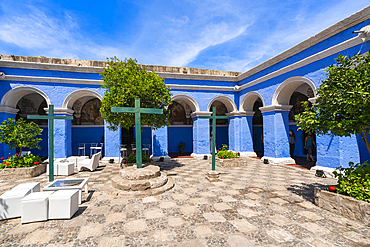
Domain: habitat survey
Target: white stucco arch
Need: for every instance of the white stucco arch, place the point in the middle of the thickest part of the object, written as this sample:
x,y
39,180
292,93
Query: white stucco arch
x,y
247,102
75,95
11,98
226,100
286,88
189,100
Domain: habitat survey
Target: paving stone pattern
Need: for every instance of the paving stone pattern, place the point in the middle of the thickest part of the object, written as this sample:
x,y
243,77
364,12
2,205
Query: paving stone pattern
x,y
256,205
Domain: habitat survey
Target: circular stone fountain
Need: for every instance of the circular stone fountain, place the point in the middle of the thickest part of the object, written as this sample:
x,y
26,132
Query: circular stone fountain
x,y
146,181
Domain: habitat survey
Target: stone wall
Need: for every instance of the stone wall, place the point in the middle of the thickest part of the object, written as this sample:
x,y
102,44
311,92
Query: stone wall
x,y
22,172
235,162
343,205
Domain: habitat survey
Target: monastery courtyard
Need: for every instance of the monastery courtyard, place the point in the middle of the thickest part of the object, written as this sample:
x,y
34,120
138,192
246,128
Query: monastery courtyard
x,y
256,205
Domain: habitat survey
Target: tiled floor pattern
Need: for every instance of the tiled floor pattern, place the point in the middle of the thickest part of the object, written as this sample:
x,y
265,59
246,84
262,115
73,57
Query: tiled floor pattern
x,y
257,205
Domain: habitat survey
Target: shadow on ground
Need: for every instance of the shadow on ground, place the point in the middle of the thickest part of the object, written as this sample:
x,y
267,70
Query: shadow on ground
x,y
306,190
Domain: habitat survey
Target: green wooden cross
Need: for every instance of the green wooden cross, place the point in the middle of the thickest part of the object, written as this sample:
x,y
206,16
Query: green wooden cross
x,y
51,118
214,117
137,110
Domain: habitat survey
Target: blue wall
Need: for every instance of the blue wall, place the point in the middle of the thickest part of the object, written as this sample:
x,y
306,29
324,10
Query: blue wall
x,y
257,133
222,136
88,134
180,134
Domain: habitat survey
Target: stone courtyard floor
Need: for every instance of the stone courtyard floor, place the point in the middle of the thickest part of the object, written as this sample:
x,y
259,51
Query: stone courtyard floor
x,y
256,205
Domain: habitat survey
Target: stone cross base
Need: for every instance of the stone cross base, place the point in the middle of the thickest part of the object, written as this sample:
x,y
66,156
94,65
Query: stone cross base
x,y
213,176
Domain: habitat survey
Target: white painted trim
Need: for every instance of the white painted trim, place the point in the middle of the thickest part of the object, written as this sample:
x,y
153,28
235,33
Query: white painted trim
x,y
188,99
311,59
64,111
226,100
235,114
200,113
197,77
286,88
156,158
198,87
247,113
271,108
200,156
251,97
312,100
279,161
12,97
75,95
89,126
327,170
52,80
248,154
7,109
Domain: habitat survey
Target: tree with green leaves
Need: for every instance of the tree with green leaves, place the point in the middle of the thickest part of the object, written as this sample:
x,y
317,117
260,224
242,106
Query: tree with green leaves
x,y
19,134
342,104
126,80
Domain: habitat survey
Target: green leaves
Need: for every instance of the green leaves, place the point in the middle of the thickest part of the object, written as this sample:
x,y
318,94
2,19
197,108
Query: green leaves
x,y
19,134
342,106
354,181
126,80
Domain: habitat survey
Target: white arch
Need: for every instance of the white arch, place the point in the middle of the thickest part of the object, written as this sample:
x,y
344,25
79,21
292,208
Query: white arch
x,y
75,95
11,98
226,100
286,88
247,102
189,100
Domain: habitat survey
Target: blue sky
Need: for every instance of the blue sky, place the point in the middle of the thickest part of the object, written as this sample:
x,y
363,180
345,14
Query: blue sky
x,y
210,34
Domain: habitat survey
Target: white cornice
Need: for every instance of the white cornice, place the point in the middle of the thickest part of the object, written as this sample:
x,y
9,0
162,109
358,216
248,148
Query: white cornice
x,y
7,109
308,60
198,87
51,80
246,113
197,77
271,108
61,111
201,113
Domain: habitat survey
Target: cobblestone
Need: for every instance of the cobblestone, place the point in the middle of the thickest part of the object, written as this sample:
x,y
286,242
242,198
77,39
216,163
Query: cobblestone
x,y
260,205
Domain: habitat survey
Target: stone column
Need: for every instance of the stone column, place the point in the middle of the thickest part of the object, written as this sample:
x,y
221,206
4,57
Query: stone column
x,y
160,144
5,113
246,134
276,134
112,140
62,133
201,132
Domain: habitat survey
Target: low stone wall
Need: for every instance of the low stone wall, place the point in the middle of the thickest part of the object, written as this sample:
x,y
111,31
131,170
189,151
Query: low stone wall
x,y
22,172
234,162
343,205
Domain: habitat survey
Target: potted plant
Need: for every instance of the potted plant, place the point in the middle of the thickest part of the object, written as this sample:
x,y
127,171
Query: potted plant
x,y
182,147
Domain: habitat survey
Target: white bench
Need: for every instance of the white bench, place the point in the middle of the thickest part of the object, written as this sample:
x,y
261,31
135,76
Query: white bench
x,y
90,164
61,168
35,207
34,187
10,203
63,204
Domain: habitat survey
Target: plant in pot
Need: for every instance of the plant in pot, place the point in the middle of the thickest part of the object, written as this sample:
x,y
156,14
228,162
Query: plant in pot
x,y
182,147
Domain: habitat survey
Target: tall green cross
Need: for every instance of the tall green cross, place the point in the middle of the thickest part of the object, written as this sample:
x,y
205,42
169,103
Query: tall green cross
x,y
137,110
51,118
214,117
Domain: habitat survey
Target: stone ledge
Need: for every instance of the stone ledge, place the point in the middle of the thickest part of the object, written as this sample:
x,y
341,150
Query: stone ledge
x,y
343,205
233,162
22,172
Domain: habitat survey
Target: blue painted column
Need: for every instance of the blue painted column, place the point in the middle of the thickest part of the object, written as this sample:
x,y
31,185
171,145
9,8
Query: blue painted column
x,y
246,134
201,135
112,140
62,133
276,134
5,113
234,132
160,143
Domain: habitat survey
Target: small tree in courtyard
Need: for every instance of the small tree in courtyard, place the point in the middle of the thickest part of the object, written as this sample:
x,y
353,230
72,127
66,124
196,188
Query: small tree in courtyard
x,y
19,134
126,80
342,106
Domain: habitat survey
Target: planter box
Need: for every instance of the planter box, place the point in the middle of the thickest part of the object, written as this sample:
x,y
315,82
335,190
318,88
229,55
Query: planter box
x,y
343,205
233,162
22,172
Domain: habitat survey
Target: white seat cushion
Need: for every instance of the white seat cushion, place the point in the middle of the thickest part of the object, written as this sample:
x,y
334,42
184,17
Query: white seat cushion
x,y
34,207
10,203
35,187
63,204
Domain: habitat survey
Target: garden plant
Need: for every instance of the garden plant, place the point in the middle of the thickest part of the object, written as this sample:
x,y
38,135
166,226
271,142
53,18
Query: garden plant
x,y
224,153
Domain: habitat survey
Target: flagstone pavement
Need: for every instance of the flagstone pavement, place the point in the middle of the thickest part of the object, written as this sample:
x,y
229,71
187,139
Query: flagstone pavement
x,y
256,205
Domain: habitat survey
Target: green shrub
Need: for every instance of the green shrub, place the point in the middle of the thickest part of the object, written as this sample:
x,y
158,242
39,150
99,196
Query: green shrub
x,y
132,158
354,181
224,153
16,161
